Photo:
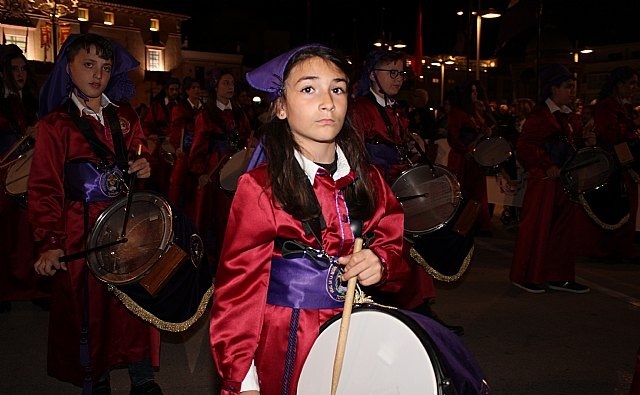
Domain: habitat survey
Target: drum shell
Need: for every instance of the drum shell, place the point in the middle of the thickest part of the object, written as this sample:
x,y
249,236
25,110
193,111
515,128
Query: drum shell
x,y
183,298
232,169
391,351
17,176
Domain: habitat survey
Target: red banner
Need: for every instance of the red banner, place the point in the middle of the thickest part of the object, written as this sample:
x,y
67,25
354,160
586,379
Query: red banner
x,y
65,31
45,35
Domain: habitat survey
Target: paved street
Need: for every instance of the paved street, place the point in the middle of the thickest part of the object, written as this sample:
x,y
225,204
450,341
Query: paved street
x,y
551,344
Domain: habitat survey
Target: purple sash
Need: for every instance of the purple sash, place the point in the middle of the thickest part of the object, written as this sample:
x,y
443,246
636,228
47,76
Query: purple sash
x,y
300,283
85,183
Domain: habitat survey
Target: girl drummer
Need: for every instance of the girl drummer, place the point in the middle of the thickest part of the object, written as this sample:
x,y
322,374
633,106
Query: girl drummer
x,y
316,184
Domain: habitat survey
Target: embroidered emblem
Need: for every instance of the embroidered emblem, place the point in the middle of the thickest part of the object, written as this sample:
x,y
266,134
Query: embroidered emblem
x,y
335,287
110,182
125,125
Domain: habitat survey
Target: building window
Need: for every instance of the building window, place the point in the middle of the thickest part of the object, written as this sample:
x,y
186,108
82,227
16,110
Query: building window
x,y
17,39
83,14
109,18
155,59
154,25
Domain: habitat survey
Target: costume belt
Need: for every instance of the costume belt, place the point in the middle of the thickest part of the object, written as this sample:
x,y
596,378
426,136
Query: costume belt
x,y
84,182
305,283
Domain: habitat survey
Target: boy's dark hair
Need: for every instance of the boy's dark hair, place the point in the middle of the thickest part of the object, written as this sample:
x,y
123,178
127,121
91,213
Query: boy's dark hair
x,y
103,46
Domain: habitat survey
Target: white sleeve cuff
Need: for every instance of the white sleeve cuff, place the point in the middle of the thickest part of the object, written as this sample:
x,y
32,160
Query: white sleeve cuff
x,y
250,382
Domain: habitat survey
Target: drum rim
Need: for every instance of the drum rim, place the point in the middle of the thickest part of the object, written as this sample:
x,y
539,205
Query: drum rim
x,y
612,166
502,140
93,237
23,159
457,196
421,334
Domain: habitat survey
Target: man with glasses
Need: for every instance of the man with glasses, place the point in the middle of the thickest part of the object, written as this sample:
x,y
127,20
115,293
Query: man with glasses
x,y
384,125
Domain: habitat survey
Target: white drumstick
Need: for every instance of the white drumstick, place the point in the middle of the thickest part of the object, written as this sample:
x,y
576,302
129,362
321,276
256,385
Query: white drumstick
x,y
344,324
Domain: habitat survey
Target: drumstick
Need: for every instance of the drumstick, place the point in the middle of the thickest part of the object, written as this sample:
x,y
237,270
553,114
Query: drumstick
x,y
344,324
132,181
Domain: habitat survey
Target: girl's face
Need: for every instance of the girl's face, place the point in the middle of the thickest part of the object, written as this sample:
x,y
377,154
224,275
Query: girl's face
x,y
225,88
19,72
315,105
90,73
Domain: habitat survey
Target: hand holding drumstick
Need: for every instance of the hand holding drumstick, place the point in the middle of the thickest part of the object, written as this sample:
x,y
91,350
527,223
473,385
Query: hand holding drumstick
x,y
363,266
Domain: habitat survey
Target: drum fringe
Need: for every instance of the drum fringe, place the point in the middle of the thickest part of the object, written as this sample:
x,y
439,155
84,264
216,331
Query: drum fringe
x,y
157,322
436,274
597,220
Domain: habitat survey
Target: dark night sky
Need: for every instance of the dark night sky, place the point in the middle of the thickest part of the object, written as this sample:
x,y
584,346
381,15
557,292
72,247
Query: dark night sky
x,y
353,25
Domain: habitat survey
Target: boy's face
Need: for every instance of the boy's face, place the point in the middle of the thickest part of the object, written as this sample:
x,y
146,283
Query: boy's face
x,y
90,73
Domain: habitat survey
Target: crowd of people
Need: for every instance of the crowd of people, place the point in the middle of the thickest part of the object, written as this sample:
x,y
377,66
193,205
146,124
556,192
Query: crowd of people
x,y
315,174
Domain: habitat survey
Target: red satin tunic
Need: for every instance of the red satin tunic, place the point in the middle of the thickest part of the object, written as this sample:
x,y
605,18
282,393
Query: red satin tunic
x,y
117,336
545,246
243,326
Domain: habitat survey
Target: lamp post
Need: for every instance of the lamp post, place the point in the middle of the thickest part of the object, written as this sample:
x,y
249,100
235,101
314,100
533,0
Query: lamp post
x,y
55,9
490,14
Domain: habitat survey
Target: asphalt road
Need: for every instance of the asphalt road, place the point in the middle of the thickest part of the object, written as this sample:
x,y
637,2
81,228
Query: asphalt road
x,y
550,344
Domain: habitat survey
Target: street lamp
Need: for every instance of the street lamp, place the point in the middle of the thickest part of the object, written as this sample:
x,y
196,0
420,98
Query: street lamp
x,y
55,9
489,14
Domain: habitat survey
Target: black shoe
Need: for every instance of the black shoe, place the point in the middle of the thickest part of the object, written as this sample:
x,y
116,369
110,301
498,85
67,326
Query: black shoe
x,y
568,286
425,309
148,388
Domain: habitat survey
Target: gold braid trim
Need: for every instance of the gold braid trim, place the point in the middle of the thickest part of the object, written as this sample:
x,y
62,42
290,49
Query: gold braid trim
x,y
436,274
597,220
155,321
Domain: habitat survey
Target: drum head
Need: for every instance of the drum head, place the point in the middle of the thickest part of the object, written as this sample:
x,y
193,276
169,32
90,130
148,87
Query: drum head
x,y
430,197
383,355
18,174
149,230
233,169
588,170
492,151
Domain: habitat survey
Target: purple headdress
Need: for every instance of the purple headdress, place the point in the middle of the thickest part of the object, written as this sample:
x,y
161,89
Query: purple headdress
x,y
58,85
270,76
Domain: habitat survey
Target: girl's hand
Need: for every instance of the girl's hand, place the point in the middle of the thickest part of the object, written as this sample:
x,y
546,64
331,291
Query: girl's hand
x,y
365,265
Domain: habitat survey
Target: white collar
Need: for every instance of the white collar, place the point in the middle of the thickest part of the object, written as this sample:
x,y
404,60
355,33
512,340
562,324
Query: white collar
x,y
311,168
380,99
84,109
553,107
223,106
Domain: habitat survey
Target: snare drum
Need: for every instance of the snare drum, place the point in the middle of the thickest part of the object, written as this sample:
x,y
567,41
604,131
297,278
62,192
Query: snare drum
x,y
233,169
587,170
492,151
430,197
18,175
159,272
391,351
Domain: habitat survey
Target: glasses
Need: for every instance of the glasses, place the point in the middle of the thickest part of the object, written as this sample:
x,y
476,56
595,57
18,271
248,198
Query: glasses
x,y
395,73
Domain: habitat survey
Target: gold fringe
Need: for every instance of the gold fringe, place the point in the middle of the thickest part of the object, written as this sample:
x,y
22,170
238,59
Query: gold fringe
x,y
436,274
597,220
155,321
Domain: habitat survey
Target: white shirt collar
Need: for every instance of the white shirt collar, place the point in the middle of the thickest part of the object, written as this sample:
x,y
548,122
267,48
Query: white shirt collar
x,y
223,106
84,109
553,107
311,169
380,99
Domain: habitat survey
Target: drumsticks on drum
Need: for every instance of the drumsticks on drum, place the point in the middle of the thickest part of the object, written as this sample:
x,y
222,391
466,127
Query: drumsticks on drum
x,y
344,324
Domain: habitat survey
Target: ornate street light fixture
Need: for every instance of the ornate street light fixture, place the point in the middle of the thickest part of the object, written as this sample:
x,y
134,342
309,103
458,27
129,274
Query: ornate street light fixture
x,y
55,9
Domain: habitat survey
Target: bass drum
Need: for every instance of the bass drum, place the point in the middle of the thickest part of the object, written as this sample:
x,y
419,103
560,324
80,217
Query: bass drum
x,y
430,196
588,169
390,351
158,272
